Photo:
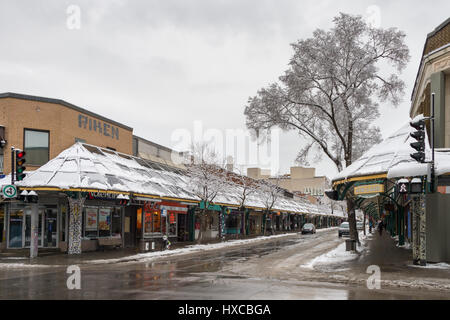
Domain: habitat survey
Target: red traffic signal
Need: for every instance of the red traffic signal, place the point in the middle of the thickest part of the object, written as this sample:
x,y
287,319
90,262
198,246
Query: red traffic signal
x,y
20,154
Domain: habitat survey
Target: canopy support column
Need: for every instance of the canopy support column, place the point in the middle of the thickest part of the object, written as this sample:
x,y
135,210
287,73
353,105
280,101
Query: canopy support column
x,y
419,230
34,230
75,223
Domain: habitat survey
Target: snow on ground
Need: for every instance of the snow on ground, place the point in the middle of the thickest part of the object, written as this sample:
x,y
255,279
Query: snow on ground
x,y
339,254
406,246
194,248
441,265
156,254
23,265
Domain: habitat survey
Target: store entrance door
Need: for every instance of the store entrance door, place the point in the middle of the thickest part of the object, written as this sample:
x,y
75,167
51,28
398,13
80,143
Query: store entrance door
x,y
47,236
27,228
50,226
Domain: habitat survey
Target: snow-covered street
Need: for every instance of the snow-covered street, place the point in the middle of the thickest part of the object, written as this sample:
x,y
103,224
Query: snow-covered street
x,y
291,266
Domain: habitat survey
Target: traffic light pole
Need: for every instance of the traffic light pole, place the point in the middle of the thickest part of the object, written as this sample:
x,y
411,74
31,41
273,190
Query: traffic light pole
x,y
432,144
12,165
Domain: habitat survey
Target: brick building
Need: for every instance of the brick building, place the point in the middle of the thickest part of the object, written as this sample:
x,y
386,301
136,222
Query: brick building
x,y
44,127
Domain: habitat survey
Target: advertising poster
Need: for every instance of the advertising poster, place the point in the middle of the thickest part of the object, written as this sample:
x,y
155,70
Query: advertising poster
x,y
104,219
91,219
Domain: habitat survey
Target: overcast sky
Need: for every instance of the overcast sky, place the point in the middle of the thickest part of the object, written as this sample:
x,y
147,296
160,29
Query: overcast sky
x,y
158,66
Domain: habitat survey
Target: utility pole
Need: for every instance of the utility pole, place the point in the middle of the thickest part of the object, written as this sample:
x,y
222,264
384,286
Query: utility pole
x,y
433,187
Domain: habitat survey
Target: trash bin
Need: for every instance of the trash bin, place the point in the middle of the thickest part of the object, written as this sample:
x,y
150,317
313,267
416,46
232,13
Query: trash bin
x,y
350,245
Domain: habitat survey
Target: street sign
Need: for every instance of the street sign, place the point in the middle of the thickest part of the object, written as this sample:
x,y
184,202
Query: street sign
x,y
9,191
403,186
369,189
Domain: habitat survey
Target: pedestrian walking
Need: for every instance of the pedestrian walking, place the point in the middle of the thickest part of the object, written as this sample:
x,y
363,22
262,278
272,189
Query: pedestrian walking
x,y
380,228
166,243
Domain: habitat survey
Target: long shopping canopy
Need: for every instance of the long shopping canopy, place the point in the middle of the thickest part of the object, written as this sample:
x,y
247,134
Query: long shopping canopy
x,y
86,167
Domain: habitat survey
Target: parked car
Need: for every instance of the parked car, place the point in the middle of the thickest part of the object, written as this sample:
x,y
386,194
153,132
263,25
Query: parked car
x,y
308,228
359,226
344,229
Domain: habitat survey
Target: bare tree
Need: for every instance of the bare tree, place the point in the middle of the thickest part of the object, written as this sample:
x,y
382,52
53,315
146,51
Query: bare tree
x,y
269,192
330,92
207,176
247,187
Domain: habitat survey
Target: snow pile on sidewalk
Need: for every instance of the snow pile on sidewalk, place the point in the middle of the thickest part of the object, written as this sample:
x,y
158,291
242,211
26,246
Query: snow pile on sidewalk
x,y
23,265
334,256
339,254
406,246
441,265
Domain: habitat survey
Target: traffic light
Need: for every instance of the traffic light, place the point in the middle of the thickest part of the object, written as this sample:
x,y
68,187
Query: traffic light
x,y
20,168
419,135
332,194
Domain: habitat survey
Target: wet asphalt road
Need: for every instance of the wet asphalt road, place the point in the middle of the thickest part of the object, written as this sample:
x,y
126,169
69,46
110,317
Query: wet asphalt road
x,y
219,274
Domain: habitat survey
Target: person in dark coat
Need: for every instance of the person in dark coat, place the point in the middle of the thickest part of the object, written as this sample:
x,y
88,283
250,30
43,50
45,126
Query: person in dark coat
x,y
380,227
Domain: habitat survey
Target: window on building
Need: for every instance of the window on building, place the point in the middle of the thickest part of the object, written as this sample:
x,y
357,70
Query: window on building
x,y
36,145
116,223
80,140
102,222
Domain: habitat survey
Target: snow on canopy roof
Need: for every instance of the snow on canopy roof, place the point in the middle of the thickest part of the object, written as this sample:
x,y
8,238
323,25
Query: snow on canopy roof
x,y
89,167
84,166
388,155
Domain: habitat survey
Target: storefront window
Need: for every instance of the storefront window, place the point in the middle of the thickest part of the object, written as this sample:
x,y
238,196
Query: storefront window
x,y
15,228
138,221
163,224
148,219
156,217
172,224
90,222
159,221
36,144
104,222
116,222
232,221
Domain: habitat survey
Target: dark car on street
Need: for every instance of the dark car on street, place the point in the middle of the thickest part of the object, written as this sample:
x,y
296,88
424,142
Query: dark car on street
x,y
344,229
308,228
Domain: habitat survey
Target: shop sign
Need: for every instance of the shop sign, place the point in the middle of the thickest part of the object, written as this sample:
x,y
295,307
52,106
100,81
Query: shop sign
x,y
369,189
101,196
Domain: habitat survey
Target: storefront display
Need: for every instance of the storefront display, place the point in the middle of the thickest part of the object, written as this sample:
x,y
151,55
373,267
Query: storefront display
x,y
160,218
101,222
90,225
104,222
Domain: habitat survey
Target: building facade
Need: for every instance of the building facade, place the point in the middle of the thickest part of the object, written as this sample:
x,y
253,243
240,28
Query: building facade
x,y
149,150
300,180
433,77
44,127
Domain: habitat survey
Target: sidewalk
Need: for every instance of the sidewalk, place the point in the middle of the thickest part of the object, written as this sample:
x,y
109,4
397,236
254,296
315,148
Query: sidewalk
x,y
395,263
